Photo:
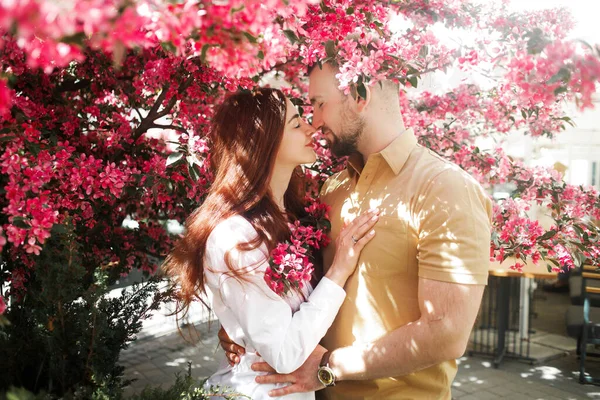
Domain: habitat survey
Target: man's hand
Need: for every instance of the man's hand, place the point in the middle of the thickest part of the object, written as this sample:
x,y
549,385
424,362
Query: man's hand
x,y
304,379
232,350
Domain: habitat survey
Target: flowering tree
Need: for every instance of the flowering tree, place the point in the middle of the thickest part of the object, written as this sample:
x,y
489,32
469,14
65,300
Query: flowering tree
x,y
105,105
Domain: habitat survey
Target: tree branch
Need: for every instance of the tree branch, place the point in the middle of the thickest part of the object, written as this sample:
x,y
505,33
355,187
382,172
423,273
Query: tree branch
x,y
147,122
153,114
72,85
174,127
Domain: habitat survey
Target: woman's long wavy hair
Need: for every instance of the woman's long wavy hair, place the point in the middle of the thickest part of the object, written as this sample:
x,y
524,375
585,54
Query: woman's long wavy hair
x,y
246,133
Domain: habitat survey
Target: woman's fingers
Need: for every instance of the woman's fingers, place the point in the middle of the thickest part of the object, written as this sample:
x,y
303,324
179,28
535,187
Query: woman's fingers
x,y
364,240
232,350
361,225
232,358
365,227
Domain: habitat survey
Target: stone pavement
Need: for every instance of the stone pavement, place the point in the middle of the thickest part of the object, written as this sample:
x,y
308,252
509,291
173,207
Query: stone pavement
x,y
160,352
155,360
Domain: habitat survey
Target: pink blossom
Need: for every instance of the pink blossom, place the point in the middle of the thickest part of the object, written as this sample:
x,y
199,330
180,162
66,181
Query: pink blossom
x,y
2,305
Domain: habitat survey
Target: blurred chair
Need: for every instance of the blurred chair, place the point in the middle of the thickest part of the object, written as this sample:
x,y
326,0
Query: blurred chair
x,y
583,321
576,291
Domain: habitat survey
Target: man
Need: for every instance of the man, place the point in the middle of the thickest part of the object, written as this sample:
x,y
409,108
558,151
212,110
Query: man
x,y
414,297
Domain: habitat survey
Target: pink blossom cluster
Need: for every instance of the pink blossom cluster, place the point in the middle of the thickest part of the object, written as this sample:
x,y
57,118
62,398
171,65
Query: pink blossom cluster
x,y
105,106
2,305
291,266
357,37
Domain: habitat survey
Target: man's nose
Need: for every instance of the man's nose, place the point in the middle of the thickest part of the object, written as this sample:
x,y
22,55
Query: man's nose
x,y
317,121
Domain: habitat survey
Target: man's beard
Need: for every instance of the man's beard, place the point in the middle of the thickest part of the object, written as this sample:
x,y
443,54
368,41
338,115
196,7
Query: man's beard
x,y
346,142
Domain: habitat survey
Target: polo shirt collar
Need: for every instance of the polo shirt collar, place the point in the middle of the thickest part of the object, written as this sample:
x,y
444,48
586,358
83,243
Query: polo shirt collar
x,y
395,154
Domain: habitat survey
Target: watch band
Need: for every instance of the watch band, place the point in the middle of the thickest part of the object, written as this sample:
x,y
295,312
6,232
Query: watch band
x,y
325,374
325,359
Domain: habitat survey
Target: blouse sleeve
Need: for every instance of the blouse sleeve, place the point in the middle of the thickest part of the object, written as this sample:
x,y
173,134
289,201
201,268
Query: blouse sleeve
x,y
283,339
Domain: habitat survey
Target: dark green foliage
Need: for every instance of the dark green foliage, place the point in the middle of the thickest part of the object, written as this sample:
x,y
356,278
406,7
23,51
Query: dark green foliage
x,y
65,334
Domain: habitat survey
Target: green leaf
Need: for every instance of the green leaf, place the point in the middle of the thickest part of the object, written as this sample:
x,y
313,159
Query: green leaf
x,y
559,90
523,114
324,8
563,75
579,245
238,9
261,55
194,172
424,51
250,37
547,235
204,51
59,228
324,224
290,35
568,121
536,42
579,259
296,101
78,39
330,48
413,81
577,228
586,44
173,158
412,70
168,47
350,11
361,90
19,222
33,148
7,138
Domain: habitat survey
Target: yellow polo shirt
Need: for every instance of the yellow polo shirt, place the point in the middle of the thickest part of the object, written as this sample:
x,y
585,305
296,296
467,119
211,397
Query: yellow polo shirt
x,y
435,224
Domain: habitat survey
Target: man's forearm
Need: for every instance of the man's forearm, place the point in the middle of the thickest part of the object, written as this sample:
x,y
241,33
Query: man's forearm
x,y
408,349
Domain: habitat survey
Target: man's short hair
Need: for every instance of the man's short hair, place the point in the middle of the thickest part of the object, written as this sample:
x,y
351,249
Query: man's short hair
x,y
312,67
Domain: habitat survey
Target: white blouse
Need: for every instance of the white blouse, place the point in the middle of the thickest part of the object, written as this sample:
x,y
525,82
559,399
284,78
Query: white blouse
x,y
284,331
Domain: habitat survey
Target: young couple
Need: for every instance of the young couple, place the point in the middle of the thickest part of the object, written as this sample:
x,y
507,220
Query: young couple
x,y
393,309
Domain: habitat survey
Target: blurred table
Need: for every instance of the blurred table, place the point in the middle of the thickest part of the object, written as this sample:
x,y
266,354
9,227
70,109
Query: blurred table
x,y
511,287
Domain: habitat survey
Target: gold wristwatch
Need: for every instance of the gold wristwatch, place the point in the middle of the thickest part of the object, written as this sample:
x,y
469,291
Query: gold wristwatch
x,y
325,373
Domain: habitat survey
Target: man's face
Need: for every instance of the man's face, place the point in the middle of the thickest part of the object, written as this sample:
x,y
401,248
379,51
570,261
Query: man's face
x,y
333,112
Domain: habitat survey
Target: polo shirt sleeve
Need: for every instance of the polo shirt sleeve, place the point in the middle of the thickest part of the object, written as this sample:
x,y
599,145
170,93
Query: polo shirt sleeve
x,y
455,230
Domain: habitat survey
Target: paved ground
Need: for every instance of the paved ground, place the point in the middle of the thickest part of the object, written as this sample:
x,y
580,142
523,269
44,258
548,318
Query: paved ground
x,y
155,358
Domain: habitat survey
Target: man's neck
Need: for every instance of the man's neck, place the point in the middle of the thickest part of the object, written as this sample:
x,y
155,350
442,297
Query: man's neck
x,y
378,135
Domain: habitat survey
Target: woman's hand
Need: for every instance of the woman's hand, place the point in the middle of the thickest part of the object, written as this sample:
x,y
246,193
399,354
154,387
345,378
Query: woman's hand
x,y
348,245
232,350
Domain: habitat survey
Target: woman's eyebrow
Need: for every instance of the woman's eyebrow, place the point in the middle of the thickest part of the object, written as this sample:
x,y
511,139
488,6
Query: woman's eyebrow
x,y
293,116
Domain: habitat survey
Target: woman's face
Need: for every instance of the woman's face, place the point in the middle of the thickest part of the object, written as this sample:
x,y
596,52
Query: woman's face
x,y
297,142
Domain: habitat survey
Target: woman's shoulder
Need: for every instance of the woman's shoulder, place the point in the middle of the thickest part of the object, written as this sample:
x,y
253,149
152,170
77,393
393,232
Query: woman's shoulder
x,y
225,238
231,231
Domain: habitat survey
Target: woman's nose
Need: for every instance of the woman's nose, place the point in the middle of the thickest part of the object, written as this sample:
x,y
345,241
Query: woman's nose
x,y
309,130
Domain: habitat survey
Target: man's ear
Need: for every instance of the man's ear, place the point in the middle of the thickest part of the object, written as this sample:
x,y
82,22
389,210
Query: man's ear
x,y
363,100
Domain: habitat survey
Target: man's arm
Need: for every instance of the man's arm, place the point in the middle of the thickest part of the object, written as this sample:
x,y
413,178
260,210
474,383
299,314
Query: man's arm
x,y
448,312
454,242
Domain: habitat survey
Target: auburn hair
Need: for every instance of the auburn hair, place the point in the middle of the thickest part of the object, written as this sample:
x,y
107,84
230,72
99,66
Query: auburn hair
x,y
245,136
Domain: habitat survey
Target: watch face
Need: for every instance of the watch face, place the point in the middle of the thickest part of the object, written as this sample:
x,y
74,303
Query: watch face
x,y
325,376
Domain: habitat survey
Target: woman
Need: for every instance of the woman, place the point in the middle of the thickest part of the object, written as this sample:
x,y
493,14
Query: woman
x,y
258,142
